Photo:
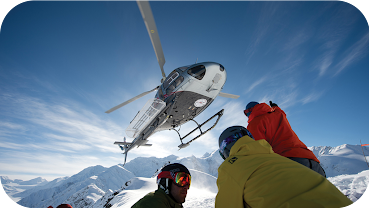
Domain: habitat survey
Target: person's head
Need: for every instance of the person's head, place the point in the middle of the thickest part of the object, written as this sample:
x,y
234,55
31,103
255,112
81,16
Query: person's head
x,y
249,108
229,137
175,179
64,206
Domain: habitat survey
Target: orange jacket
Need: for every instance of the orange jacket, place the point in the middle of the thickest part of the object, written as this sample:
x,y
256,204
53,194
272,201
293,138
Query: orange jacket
x,y
272,125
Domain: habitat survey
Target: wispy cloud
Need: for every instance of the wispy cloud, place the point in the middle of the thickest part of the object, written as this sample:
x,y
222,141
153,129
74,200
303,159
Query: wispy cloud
x,y
325,63
356,52
64,132
266,16
296,40
256,83
314,96
334,35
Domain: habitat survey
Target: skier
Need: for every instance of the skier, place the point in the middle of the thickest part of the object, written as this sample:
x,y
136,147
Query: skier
x,y
271,124
173,182
252,175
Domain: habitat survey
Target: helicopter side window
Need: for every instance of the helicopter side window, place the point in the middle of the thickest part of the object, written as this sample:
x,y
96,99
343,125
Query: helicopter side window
x,y
174,85
198,72
172,76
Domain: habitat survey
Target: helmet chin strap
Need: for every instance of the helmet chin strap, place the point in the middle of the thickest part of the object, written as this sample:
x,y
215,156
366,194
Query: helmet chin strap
x,y
167,185
166,188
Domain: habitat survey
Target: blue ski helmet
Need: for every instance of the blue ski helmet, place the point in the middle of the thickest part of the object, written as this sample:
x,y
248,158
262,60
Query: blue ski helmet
x,y
229,137
249,107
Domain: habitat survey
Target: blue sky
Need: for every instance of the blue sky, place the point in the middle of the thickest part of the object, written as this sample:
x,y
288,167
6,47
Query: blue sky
x,y
63,64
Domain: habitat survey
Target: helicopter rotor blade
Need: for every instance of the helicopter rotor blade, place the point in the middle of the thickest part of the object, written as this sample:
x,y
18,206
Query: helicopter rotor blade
x,y
222,94
148,18
131,100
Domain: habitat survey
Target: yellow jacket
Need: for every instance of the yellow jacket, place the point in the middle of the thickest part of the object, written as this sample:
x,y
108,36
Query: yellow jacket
x,y
254,176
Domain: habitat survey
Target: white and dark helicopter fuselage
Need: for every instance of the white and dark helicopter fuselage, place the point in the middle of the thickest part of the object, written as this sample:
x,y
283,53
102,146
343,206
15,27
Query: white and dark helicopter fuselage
x,y
185,93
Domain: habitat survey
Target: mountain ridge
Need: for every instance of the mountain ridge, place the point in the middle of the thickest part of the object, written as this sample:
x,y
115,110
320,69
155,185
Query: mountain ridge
x,y
98,185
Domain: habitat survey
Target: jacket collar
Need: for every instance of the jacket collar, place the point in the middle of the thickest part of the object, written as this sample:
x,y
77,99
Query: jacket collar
x,y
247,146
165,196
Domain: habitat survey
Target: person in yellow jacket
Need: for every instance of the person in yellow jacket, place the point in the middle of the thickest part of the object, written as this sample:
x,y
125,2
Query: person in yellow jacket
x,y
253,176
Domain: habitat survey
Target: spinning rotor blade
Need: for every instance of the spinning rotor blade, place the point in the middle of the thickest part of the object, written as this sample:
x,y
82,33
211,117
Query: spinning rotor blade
x,y
153,33
131,100
222,94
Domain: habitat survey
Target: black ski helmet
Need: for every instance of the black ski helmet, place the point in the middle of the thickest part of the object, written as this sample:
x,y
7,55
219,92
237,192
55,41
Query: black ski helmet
x,y
164,182
229,137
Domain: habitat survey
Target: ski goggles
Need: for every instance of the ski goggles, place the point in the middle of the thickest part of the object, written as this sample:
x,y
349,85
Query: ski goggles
x,y
234,137
248,111
179,178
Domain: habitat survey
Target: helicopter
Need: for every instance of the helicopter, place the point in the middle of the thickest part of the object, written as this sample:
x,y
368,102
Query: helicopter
x,y
183,94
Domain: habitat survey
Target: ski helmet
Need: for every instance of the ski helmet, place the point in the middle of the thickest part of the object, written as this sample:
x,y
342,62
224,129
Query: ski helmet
x,y
64,206
249,108
229,137
175,172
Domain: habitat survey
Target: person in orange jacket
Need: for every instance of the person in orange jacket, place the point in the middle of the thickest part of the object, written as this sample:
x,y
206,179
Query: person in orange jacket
x,y
270,123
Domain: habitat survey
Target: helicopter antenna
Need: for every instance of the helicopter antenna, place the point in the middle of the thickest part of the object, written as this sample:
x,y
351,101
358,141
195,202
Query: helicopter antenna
x,y
196,60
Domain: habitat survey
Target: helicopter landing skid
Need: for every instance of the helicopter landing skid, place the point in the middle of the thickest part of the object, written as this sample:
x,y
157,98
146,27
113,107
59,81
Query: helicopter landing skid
x,y
183,145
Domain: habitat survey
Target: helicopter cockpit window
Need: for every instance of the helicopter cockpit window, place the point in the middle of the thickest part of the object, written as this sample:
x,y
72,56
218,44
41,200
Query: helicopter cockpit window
x,y
174,85
172,76
161,96
198,72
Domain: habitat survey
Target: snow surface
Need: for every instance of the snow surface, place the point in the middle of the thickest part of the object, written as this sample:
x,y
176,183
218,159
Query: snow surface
x,y
352,186
120,186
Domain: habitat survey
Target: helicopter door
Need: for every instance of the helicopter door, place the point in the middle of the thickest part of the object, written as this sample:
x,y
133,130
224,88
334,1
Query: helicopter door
x,y
147,114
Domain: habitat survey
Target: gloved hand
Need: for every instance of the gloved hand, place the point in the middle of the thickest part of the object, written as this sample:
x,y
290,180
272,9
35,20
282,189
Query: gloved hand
x,y
272,104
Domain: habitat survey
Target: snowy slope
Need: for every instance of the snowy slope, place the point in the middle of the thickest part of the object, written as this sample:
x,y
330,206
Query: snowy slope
x,y
344,159
122,186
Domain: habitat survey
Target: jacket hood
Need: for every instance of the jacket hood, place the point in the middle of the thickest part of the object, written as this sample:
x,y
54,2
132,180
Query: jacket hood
x,y
258,110
247,146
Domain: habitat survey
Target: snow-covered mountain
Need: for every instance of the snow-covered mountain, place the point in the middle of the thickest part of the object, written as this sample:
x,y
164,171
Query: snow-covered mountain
x,y
344,159
17,189
120,186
